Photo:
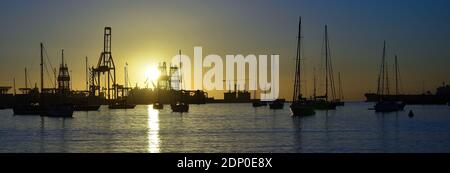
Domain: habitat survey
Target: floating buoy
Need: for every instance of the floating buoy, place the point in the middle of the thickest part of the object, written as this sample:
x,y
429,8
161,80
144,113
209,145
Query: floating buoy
x,y
411,114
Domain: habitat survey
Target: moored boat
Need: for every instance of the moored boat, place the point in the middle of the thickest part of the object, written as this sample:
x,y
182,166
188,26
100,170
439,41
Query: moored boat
x,y
86,107
299,106
180,107
158,105
277,104
389,106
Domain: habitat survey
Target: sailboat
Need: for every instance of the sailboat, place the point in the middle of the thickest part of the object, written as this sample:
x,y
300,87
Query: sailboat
x,y
56,104
278,103
180,105
257,102
340,100
322,102
157,104
299,106
27,103
383,88
90,103
122,102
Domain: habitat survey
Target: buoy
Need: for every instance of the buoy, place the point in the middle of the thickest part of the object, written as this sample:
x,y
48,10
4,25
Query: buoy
x,y
411,114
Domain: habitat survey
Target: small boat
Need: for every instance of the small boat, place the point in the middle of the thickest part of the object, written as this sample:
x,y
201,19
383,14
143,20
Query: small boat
x,y
277,104
263,103
121,105
339,103
321,104
86,107
180,107
411,114
158,105
258,103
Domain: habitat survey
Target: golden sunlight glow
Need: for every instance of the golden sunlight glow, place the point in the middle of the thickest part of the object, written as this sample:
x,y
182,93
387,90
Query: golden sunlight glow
x,y
152,74
153,130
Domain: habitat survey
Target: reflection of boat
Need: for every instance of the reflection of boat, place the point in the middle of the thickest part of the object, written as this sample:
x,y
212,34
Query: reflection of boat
x,y
277,104
299,106
180,107
383,87
158,105
57,110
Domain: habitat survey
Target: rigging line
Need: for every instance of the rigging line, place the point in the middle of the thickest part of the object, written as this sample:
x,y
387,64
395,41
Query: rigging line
x,y
48,75
331,71
51,66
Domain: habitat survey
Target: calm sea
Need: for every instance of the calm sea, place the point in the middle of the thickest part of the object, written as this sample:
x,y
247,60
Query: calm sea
x,y
230,128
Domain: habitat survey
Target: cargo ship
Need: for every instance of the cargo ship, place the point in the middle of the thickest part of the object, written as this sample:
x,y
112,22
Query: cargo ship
x,y
441,97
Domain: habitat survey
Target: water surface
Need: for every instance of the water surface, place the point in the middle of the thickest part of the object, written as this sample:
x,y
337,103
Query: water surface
x,y
230,128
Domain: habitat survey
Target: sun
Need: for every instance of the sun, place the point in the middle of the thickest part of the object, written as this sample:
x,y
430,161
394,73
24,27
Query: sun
x,y
152,74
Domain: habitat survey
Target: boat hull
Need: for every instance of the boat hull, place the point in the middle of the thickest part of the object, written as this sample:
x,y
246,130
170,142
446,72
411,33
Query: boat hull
x,y
324,105
158,106
179,107
258,104
122,106
86,107
26,110
302,110
277,104
388,106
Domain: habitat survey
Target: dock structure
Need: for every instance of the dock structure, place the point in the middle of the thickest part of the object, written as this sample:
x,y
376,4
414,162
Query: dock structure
x,y
106,69
4,90
63,77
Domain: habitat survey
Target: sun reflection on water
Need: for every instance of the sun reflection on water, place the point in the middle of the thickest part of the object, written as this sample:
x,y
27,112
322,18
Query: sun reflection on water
x,y
153,130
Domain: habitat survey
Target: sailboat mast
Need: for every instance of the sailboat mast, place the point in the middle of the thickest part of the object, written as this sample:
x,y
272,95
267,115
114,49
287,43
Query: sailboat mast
x,y
14,86
26,79
386,67
314,79
42,68
87,74
326,62
341,93
181,77
297,88
396,75
381,77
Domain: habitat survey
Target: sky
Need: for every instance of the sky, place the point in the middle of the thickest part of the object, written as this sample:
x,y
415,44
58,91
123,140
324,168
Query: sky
x,y
145,33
